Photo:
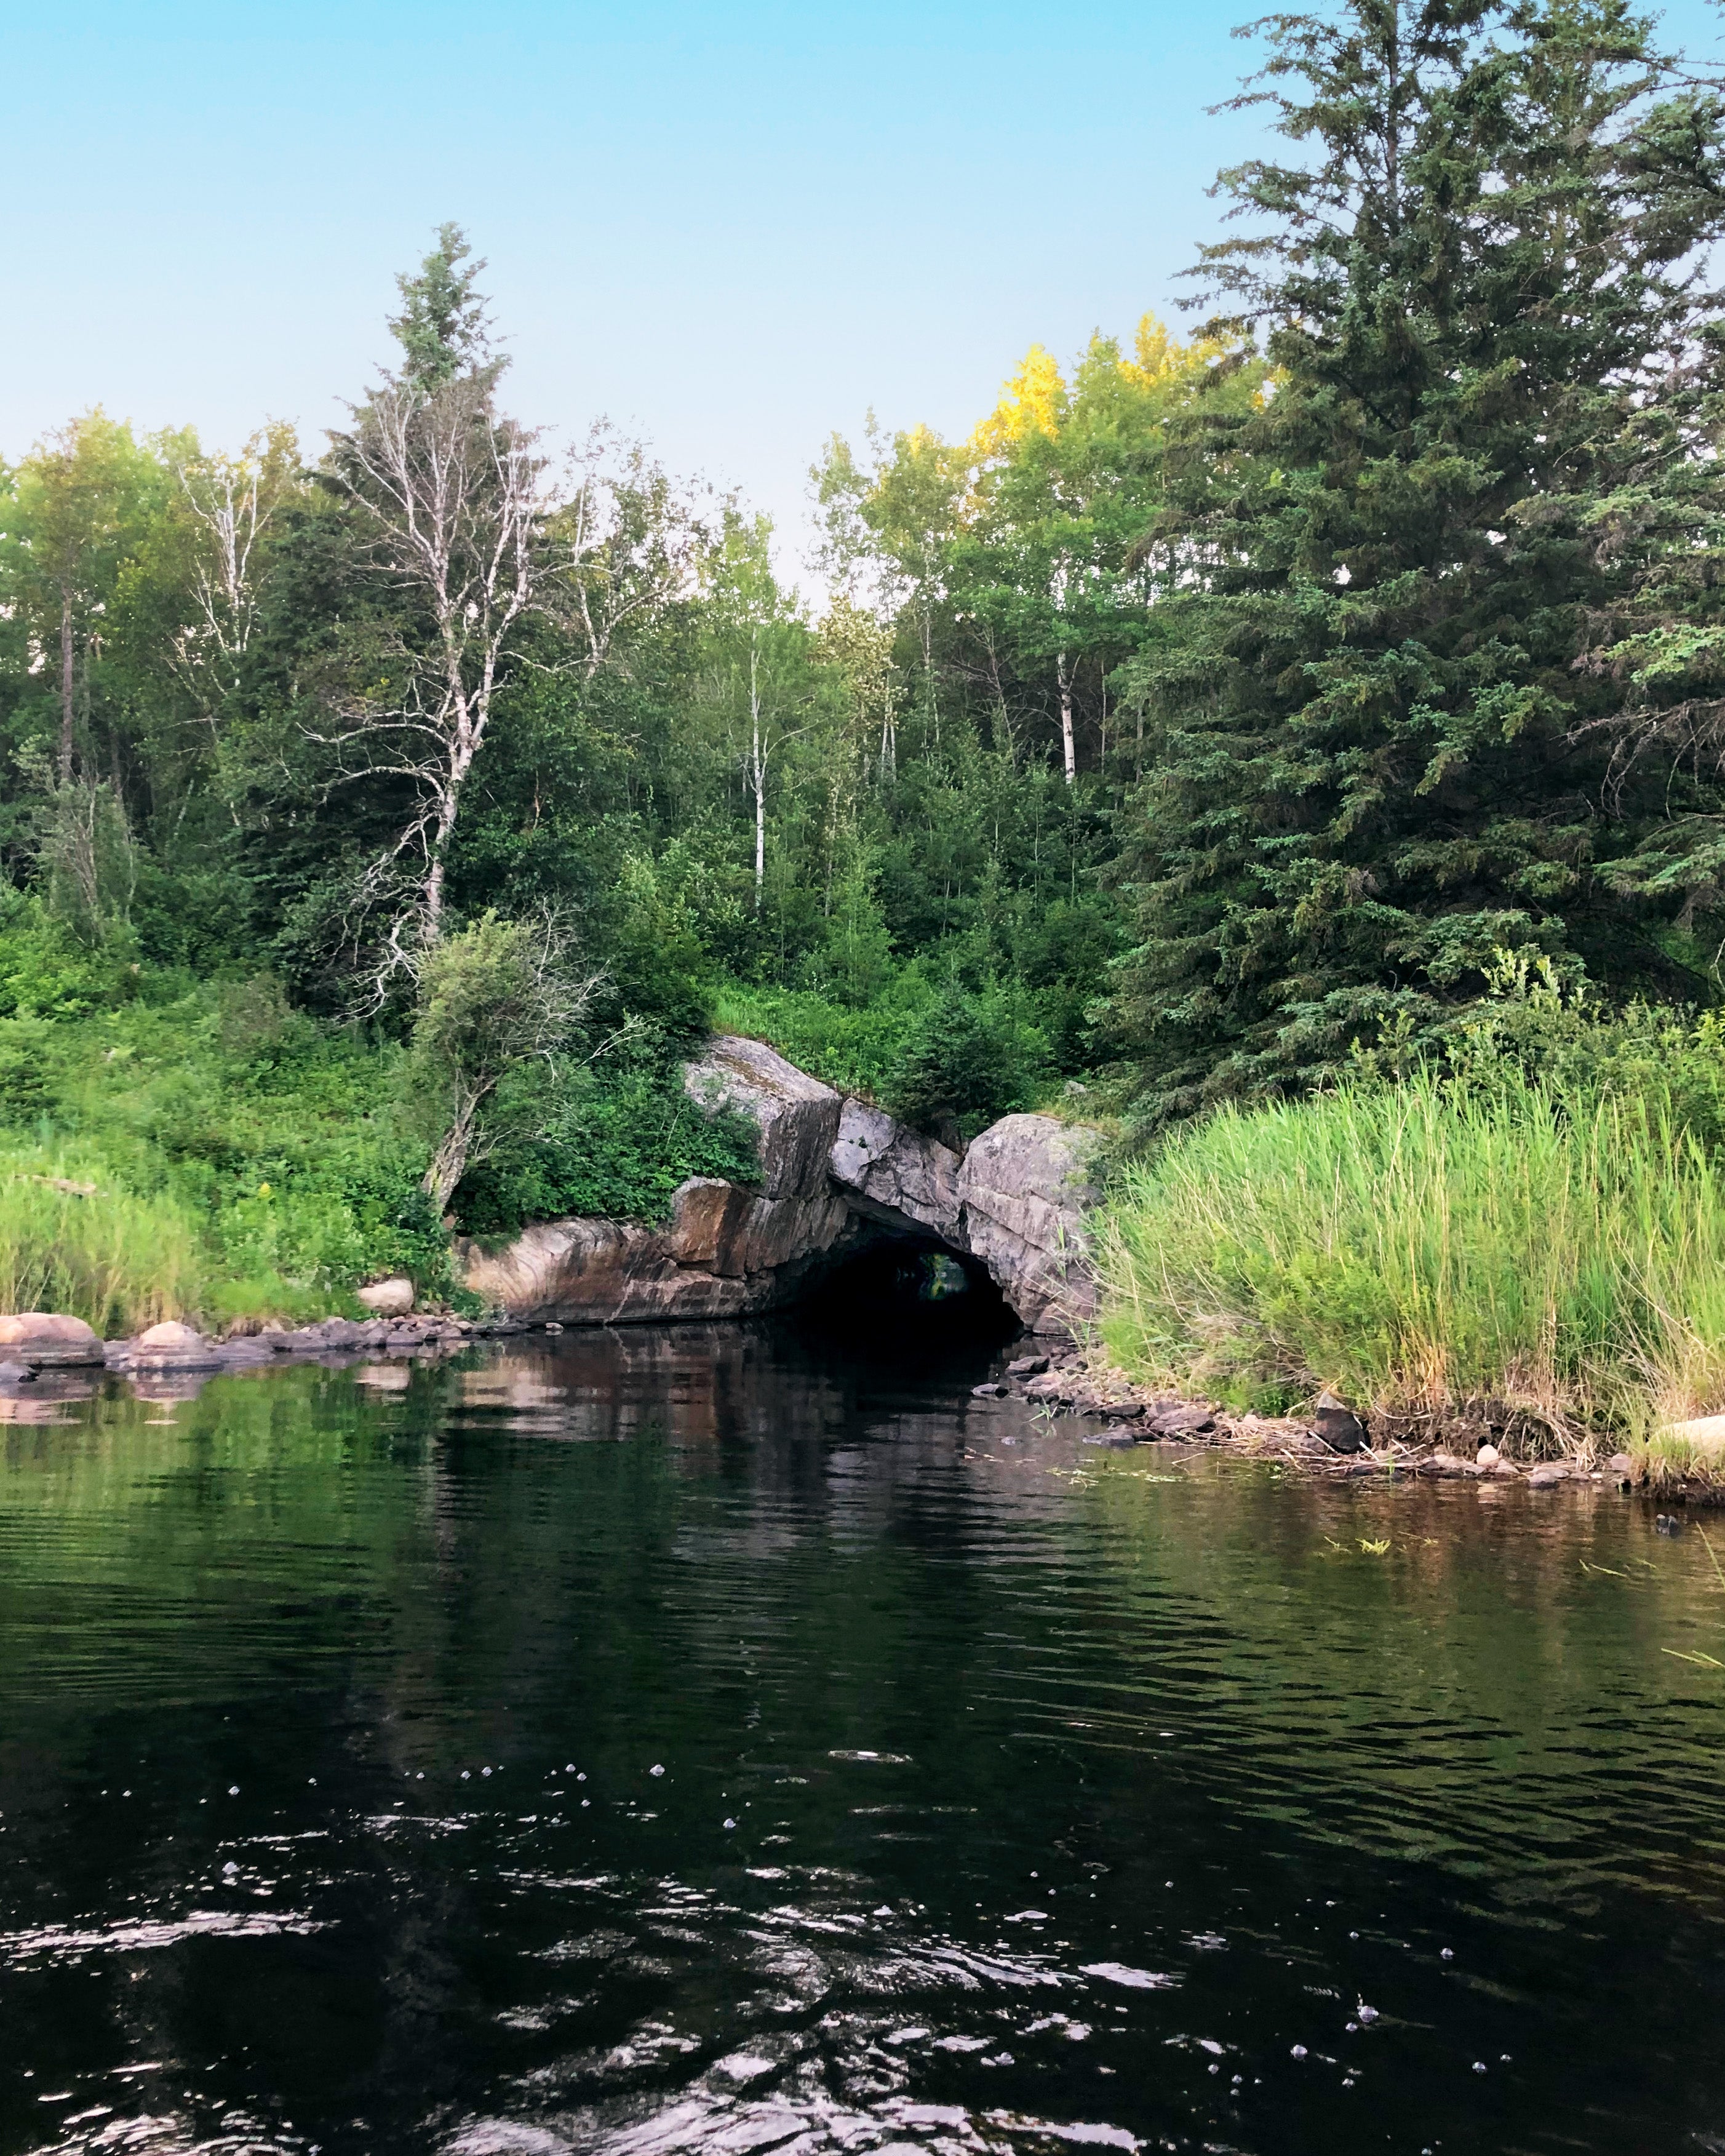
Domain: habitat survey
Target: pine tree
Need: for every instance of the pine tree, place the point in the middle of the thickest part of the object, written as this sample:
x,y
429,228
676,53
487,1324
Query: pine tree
x,y
1383,715
442,328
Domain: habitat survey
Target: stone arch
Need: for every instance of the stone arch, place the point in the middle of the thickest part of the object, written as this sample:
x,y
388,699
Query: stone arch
x,y
836,1173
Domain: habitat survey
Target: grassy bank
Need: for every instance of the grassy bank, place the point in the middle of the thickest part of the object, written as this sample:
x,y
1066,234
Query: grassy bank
x,y
67,1244
1418,1247
202,1151
173,1148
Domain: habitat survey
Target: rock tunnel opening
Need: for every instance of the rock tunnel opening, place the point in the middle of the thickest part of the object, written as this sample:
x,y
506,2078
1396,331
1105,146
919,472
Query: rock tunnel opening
x,y
910,1284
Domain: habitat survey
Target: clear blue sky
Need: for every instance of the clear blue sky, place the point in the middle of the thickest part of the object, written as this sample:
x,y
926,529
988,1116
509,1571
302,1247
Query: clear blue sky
x,y
730,226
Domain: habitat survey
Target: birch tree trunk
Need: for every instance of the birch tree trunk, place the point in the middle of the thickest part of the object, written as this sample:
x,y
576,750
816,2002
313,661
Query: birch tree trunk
x,y
758,769
1068,749
65,765
449,1164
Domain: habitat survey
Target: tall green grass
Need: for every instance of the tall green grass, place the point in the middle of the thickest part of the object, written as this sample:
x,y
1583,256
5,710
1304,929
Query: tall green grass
x,y
1422,1245
118,1261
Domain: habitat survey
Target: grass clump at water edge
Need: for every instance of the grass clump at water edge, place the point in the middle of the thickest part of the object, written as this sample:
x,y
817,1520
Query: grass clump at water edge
x,y
69,1243
1426,1245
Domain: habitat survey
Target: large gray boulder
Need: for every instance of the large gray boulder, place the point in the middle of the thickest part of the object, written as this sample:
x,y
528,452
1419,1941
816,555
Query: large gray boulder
x,y
172,1346
890,1170
797,1117
1027,1185
47,1340
727,1253
387,1298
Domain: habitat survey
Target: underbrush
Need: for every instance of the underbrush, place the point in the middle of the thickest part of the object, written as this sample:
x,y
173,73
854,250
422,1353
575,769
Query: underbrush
x,y
244,1161
1558,1250
856,1050
948,1060
169,1148
619,1144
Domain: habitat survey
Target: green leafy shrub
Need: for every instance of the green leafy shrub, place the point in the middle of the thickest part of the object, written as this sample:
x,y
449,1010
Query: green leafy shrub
x,y
969,1060
1533,1026
199,919
858,1050
45,972
620,1144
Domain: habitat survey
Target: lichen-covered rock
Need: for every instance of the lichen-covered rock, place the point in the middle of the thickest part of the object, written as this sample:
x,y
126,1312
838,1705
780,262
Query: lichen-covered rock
x,y
46,1340
797,1117
1027,1184
893,1171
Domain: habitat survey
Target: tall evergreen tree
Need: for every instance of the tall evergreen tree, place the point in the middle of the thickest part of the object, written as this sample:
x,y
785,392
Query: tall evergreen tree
x,y
442,328
1380,740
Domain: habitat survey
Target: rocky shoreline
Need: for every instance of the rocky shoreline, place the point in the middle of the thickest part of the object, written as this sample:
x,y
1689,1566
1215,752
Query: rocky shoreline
x,y
45,1355
1332,1441
838,1176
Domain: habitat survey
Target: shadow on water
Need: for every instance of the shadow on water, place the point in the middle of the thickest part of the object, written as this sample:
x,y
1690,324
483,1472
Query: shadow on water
x,y
742,1739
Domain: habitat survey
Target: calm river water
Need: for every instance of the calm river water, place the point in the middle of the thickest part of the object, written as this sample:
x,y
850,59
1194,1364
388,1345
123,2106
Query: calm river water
x,y
720,1740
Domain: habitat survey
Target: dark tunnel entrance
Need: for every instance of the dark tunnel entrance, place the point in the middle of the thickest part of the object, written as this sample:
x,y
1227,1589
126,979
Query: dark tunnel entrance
x,y
903,1286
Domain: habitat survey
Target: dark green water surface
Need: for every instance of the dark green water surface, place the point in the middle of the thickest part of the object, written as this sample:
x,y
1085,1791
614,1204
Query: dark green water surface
x,y
723,1740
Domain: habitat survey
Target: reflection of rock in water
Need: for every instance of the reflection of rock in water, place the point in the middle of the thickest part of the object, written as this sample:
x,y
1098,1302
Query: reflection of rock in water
x,y
941,1276
707,1387
384,1377
606,1384
50,1399
182,1385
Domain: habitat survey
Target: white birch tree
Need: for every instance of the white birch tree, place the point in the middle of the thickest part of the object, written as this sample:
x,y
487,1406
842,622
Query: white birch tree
x,y
759,675
225,505
627,543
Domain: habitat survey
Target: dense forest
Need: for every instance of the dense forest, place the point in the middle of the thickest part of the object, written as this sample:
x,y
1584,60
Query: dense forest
x,y
1227,714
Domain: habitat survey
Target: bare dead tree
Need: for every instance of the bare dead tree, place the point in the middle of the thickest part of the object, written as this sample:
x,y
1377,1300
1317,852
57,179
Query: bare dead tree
x,y
450,493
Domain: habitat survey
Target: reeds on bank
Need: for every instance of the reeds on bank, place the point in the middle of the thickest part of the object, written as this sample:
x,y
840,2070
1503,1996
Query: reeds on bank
x,y
1423,1245
71,1241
